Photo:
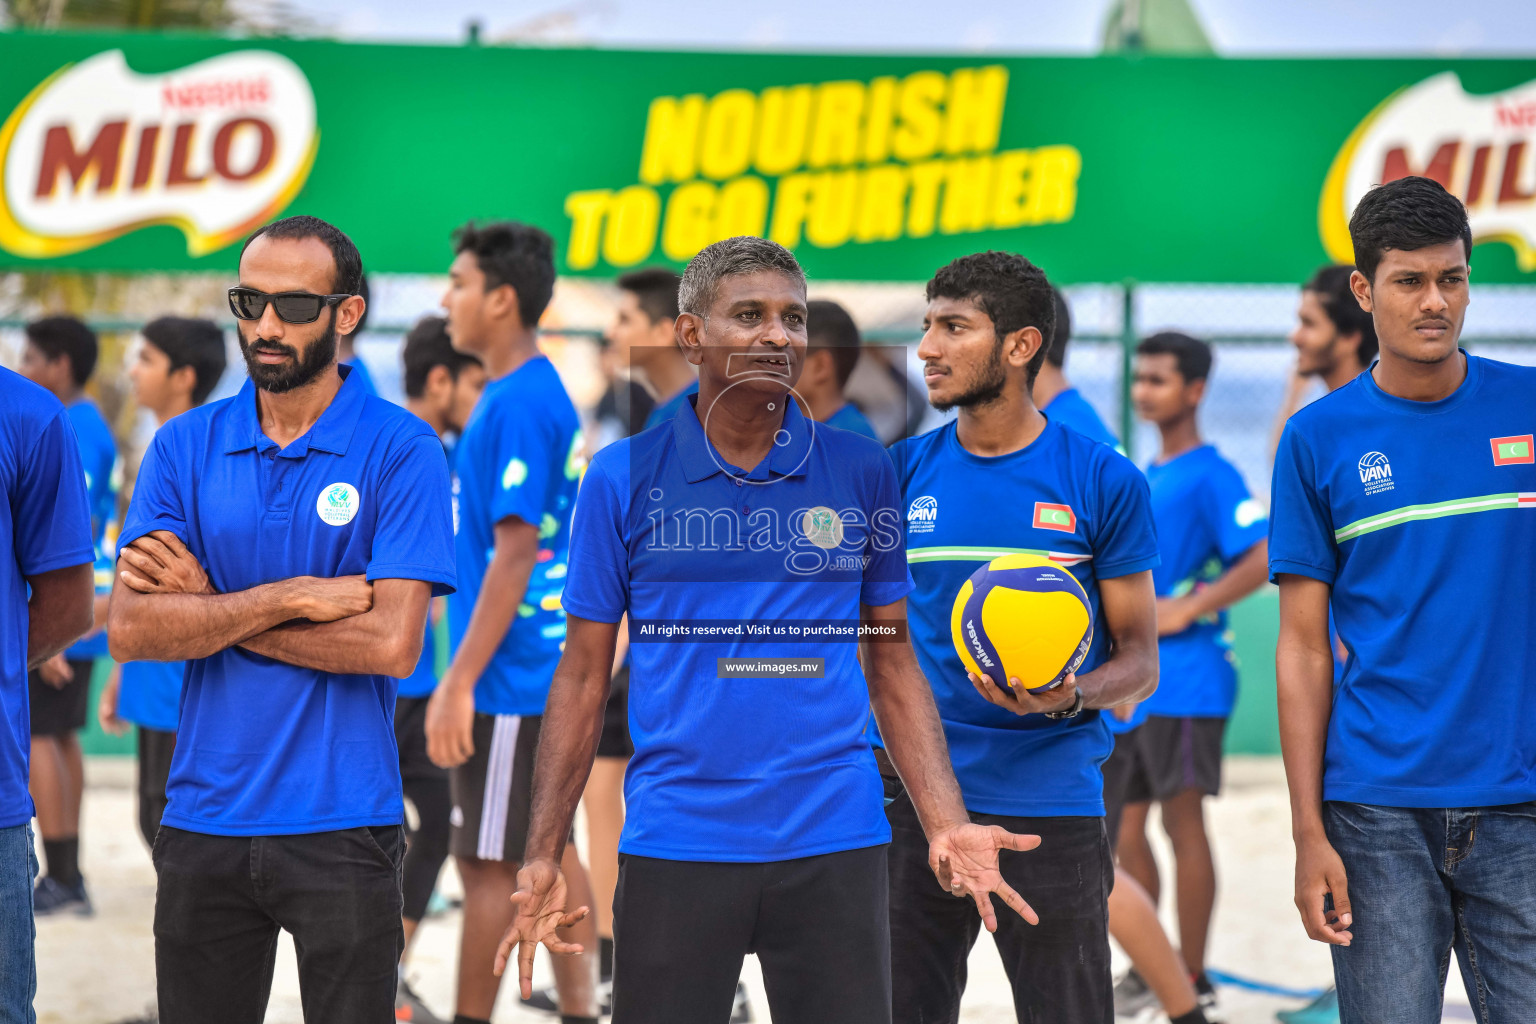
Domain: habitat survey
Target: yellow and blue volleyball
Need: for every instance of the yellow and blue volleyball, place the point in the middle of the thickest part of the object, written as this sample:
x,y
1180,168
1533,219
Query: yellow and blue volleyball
x,y
1022,617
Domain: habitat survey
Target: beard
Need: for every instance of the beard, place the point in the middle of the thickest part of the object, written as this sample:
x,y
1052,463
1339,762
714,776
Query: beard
x,y
300,371
984,387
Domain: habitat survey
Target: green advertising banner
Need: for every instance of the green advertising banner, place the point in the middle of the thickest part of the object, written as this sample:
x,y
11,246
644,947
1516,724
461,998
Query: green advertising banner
x,y
154,152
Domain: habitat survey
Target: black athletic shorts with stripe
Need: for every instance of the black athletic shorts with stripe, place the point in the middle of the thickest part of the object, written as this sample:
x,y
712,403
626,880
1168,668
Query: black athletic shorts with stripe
x,y
493,791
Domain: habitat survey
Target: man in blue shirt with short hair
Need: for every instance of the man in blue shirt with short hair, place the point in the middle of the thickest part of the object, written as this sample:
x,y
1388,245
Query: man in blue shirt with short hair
x,y
1210,534
285,542
754,819
1405,501
1001,479
516,468
60,355
45,602
830,357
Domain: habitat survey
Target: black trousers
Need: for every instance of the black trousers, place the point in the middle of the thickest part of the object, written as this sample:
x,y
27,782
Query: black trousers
x,y
818,925
222,900
1059,969
155,751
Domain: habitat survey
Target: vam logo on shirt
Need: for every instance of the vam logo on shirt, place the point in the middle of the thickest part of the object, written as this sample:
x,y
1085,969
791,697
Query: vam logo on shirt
x,y
1513,451
822,527
514,475
1050,516
1376,473
338,504
922,514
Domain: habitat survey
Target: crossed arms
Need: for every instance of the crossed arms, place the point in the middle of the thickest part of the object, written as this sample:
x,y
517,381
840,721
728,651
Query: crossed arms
x,y
163,608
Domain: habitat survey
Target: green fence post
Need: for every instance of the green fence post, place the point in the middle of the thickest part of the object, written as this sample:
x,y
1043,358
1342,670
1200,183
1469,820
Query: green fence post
x,y
1127,354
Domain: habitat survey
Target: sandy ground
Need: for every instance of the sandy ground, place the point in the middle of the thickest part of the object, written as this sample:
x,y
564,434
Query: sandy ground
x,y
100,970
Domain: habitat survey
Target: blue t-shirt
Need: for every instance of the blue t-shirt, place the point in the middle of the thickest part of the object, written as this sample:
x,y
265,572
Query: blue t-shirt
x,y
45,523
149,693
103,477
742,767
264,747
850,418
664,412
520,457
1422,518
360,371
963,510
1071,409
1206,520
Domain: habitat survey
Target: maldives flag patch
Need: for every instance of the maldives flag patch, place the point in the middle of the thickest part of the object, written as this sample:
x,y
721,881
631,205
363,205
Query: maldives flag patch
x,y
1055,517
1507,451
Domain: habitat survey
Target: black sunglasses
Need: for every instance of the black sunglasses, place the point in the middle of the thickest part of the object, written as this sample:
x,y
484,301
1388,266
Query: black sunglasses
x,y
292,307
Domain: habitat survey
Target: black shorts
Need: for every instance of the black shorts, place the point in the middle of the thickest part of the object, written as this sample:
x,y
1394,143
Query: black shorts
x,y
60,710
1161,758
614,740
493,791
156,749
411,739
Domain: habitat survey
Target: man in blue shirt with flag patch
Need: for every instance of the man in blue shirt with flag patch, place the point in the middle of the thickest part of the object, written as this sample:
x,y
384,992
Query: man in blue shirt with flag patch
x,y
285,542
754,819
1003,479
516,469
1406,501
1210,535
60,355
45,602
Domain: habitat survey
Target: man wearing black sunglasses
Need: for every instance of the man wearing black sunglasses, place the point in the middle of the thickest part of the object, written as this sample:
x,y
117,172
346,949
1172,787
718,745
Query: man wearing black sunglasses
x,y
285,543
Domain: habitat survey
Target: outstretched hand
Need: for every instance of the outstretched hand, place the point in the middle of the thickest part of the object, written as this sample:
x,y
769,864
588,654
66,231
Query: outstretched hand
x,y
539,904
964,858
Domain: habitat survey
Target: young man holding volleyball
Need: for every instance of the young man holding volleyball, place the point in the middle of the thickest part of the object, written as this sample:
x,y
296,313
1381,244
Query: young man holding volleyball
x,y
753,801
999,480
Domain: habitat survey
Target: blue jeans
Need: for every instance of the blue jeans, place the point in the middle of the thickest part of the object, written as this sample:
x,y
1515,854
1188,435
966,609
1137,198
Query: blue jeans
x,y
18,962
1423,882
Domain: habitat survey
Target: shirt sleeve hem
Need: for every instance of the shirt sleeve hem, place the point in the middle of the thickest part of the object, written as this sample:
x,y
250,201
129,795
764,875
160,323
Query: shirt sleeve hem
x,y
1114,570
584,611
880,594
1278,566
175,526
80,556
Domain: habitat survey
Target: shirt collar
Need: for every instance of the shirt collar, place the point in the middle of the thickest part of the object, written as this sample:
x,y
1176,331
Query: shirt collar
x,y
332,432
700,459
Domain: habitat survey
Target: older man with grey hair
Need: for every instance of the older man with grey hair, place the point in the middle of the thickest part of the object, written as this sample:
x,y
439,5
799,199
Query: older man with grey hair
x,y
755,551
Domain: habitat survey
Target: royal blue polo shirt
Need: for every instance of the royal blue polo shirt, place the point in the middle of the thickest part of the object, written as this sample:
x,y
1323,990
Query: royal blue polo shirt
x,y
264,747
521,457
664,411
45,524
750,767
850,418
1206,520
1071,409
103,478
1421,516
1065,497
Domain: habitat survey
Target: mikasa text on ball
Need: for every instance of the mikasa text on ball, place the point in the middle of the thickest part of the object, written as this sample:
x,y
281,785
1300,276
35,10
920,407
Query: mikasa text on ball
x,y
1022,617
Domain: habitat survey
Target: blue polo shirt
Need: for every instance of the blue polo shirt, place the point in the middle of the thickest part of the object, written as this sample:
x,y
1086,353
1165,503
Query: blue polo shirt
x,y
850,418
521,457
103,477
1206,520
1421,516
1071,409
745,767
664,411
962,511
45,523
264,747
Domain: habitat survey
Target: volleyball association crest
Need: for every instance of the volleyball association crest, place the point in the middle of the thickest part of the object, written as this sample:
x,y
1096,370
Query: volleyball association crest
x,y
338,504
